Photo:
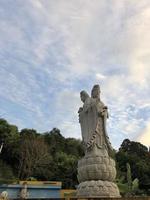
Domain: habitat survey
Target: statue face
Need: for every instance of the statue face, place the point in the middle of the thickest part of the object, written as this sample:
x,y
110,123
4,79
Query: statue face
x,y
83,97
95,93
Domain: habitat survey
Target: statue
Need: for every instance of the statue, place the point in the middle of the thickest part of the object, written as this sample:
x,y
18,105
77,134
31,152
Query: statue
x,y
97,164
4,195
84,116
24,193
92,118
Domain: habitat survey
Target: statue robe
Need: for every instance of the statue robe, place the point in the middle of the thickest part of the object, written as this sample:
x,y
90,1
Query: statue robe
x,y
92,123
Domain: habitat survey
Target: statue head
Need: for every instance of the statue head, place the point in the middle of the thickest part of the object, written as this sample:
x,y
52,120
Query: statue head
x,y
95,93
4,195
83,95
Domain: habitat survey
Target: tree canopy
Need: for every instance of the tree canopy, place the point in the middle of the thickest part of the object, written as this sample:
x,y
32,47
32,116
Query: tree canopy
x,y
46,156
138,157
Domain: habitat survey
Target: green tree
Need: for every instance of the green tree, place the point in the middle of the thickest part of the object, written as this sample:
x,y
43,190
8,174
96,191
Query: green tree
x,y
34,157
138,156
6,173
74,147
129,178
55,141
65,169
9,136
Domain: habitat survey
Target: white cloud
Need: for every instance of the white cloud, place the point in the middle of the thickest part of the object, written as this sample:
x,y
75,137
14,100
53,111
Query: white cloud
x,y
100,76
72,45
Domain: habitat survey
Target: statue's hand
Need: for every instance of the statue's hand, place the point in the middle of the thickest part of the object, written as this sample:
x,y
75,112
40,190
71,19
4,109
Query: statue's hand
x,y
102,112
105,111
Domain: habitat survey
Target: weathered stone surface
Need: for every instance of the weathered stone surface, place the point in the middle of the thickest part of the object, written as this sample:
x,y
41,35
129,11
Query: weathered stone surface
x,y
98,189
96,170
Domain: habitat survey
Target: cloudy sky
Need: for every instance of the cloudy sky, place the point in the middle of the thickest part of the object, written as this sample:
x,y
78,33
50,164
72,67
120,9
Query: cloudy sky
x,y
50,50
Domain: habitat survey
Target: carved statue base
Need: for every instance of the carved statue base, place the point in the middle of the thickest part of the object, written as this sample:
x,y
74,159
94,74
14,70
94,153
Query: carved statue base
x,y
96,173
97,189
96,168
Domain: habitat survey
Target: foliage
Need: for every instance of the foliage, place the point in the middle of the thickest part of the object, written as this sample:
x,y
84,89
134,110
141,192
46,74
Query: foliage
x,y
135,184
138,156
6,173
65,169
129,178
9,135
55,141
49,156
34,156
74,147
123,188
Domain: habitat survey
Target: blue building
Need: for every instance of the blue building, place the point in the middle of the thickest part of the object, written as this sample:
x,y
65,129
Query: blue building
x,y
35,189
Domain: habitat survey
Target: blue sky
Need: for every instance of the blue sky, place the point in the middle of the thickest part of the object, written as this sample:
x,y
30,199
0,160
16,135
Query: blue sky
x,y
51,50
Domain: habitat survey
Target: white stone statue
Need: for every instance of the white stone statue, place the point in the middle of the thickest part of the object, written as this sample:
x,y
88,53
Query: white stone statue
x,y
96,170
24,194
4,195
92,118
